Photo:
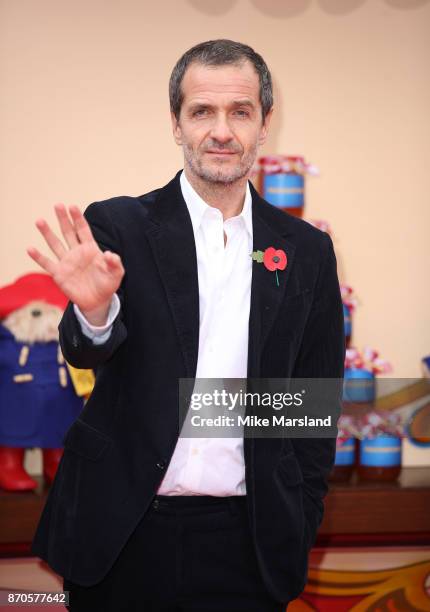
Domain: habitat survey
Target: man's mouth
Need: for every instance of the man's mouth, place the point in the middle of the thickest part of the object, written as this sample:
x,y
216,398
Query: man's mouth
x,y
223,152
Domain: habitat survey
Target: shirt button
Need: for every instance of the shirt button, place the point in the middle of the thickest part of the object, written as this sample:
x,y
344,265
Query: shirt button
x,y
161,465
195,451
155,504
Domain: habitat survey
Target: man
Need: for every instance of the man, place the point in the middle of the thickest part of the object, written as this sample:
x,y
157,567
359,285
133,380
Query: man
x,y
162,287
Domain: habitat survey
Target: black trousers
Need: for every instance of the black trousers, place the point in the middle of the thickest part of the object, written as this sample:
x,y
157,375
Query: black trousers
x,y
188,554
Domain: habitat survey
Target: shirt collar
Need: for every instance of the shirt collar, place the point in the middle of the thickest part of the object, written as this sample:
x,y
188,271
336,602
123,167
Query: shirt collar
x,y
197,207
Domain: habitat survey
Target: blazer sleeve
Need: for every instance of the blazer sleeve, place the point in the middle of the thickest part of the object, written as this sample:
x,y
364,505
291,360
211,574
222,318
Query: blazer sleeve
x,y
77,348
321,355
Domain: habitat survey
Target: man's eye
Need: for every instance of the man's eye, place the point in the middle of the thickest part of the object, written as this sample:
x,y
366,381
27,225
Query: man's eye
x,y
242,113
200,112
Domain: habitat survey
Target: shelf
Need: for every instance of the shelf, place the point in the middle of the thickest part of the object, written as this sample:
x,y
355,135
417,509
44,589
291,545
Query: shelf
x,y
392,512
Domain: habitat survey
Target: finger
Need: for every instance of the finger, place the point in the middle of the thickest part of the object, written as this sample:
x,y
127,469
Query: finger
x,y
66,226
43,261
113,261
82,228
51,238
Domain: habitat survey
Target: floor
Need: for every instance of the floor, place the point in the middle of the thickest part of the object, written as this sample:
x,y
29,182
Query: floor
x,y
28,575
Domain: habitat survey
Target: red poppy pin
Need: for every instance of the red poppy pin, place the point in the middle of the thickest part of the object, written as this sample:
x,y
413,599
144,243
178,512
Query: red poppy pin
x,y
273,259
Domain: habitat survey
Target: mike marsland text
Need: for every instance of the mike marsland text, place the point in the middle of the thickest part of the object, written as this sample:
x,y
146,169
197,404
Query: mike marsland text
x,y
256,421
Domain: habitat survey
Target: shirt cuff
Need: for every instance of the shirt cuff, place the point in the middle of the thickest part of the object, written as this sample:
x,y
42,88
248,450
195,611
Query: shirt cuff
x,y
99,333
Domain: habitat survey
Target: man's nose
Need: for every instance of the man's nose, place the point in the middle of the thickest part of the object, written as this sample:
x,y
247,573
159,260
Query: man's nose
x,y
221,131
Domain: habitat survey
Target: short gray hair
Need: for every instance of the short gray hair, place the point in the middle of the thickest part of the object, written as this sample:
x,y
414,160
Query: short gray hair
x,y
219,53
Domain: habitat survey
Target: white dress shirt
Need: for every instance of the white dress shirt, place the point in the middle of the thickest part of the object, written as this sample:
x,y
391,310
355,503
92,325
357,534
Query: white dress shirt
x,y
210,466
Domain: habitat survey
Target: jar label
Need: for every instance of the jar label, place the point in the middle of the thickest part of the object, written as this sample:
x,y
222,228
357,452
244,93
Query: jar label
x,y
347,320
383,451
284,190
345,452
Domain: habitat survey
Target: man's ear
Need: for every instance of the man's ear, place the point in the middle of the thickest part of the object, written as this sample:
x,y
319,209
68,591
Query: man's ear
x,y
265,127
177,132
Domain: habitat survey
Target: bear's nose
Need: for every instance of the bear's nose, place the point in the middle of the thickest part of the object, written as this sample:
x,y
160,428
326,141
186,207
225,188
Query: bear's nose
x,y
36,313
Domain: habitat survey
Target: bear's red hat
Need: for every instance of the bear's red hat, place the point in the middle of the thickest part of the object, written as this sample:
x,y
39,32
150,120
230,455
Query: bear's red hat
x,y
27,288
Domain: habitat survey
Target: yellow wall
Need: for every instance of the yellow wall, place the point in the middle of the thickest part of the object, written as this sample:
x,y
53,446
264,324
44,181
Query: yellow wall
x,y
85,117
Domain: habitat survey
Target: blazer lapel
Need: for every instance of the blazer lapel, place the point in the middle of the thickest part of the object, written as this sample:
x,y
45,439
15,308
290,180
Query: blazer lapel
x,y
266,295
172,241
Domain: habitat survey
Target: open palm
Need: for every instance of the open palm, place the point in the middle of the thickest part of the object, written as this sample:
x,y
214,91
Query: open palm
x,y
87,275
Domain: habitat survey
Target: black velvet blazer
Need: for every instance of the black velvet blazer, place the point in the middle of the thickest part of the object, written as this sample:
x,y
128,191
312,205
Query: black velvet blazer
x,y
118,449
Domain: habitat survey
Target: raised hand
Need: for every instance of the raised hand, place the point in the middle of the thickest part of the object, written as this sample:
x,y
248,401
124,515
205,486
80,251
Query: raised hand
x,y
87,275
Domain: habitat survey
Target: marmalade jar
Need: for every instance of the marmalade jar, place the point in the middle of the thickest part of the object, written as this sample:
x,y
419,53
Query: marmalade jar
x,y
380,458
282,182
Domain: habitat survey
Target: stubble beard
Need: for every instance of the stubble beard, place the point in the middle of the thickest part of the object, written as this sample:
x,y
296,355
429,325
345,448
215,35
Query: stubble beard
x,y
220,175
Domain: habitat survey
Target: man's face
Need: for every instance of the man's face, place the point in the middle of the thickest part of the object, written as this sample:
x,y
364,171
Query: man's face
x,y
220,125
